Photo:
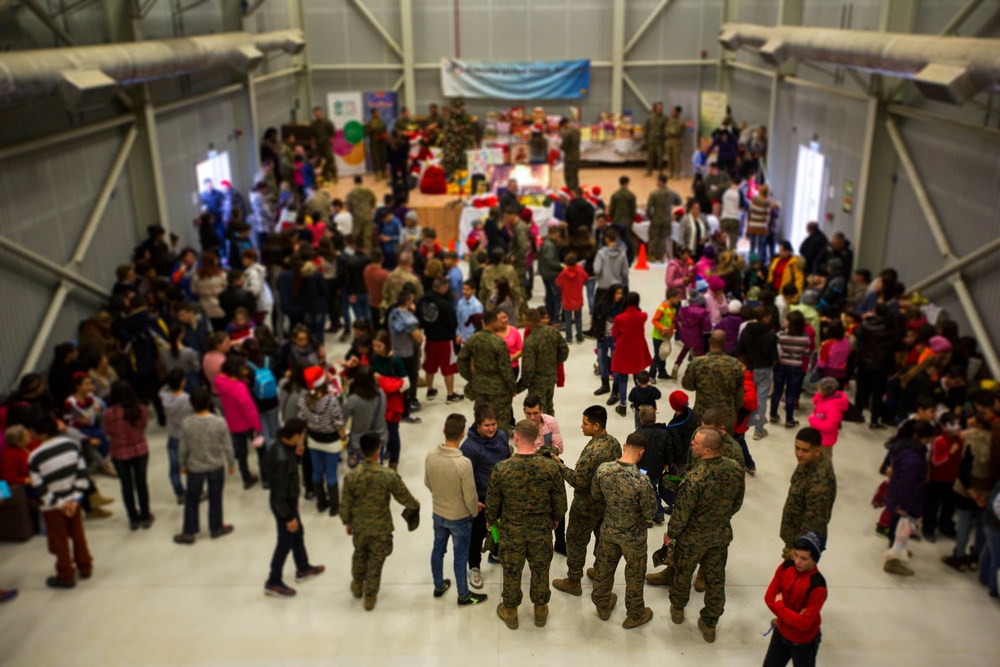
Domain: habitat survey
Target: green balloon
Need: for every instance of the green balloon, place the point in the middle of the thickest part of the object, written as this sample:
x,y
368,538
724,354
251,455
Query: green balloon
x,y
354,132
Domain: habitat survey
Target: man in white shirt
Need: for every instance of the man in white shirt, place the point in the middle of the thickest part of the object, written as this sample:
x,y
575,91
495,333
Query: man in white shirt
x,y
342,218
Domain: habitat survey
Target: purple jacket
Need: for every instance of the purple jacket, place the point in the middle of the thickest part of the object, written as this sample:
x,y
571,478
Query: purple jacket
x,y
694,322
731,325
908,459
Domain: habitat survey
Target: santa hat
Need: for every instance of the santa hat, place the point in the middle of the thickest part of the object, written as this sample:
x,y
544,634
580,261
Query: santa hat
x,y
638,217
678,400
679,210
596,190
226,184
315,377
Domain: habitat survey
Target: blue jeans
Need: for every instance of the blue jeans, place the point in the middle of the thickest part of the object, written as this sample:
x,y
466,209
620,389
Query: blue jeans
x,y
324,463
393,447
591,287
659,366
360,309
605,348
762,380
989,560
270,427
621,386
569,316
316,322
787,381
747,459
553,298
173,445
781,651
460,532
967,520
98,433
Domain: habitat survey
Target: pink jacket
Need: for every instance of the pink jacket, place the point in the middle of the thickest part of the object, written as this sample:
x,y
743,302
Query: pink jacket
x,y
237,405
828,414
716,309
677,273
703,267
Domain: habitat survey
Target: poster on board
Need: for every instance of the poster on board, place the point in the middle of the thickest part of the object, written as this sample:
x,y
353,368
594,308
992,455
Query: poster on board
x,y
712,111
386,102
346,110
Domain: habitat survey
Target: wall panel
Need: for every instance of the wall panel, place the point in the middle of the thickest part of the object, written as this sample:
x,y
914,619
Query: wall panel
x,y
276,102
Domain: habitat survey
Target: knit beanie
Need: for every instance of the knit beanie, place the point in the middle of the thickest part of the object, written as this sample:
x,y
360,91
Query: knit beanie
x,y
814,542
828,385
678,400
716,284
697,300
939,344
701,285
735,307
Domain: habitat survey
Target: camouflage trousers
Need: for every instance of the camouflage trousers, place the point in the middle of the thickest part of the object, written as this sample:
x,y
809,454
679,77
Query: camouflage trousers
x,y
546,392
502,404
713,565
609,552
536,548
364,229
582,523
370,552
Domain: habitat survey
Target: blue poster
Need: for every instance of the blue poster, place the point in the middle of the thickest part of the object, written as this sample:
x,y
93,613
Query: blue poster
x,y
542,80
385,102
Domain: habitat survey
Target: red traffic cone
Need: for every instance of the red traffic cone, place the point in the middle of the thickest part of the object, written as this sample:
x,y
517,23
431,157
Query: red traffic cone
x,y
451,244
640,263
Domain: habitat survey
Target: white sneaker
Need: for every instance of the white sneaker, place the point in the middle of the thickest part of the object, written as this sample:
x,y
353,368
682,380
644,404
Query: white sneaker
x,y
760,435
475,578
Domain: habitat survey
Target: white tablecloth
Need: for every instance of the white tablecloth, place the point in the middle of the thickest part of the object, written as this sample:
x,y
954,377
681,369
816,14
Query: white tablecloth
x,y
542,216
612,150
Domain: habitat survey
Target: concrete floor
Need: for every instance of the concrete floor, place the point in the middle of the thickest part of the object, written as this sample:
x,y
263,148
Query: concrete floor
x,y
151,602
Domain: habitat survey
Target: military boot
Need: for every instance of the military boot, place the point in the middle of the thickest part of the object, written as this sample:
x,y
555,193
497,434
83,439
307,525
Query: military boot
x,y
334,498
370,601
541,615
699,580
322,504
664,577
357,588
508,615
605,612
645,617
568,585
591,573
676,614
896,566
707,631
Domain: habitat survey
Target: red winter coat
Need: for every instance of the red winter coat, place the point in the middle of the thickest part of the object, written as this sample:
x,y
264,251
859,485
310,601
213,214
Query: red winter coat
x,y
571,281
802,598
631,350
828,414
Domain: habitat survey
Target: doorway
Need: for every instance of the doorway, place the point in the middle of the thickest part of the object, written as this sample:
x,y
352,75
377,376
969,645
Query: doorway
x,y
810,182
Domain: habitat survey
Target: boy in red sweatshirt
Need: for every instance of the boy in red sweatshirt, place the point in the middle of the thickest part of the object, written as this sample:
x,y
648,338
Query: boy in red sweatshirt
x,y
946,458
743,417
571,281
796,596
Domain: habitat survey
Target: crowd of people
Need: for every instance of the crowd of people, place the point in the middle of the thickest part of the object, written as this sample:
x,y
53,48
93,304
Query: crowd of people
x,y
226,347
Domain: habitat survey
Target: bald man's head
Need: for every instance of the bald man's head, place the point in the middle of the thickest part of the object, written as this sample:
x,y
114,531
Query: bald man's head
x,y
717,341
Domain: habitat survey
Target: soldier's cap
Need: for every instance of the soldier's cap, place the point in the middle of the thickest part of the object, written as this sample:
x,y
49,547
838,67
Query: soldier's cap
x,y
475,320
660,556
412,518
813,542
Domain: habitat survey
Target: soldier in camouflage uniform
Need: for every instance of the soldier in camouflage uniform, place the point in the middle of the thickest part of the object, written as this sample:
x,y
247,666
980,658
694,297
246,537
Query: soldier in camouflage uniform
x,y
700,525
526,495
397,278
377,134
484,362
323,133
718,379
654,133
630,505
621,212
495,270
712,420
587,511
361,205
517,253
571,154
811,494
675,135
364,509
660,210
541,355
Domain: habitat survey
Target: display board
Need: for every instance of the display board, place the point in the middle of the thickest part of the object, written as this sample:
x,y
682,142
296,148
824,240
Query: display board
x,y
347,113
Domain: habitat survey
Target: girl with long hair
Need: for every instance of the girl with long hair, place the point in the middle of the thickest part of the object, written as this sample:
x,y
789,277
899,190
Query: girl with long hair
x,y
390,374
125,423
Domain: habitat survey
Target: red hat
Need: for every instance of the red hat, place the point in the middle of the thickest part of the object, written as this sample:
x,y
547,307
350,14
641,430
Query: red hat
x,y
226,184
596,190
678,400
638,218
679,210
527,215
79,375
315,377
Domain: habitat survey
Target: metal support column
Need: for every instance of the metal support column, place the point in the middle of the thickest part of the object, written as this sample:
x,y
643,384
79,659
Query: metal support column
x,y
617,54
303,79
724,77
409,72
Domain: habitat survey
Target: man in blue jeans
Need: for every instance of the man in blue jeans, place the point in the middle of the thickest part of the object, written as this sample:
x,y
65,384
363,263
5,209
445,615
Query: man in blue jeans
x,y
448,475
758,348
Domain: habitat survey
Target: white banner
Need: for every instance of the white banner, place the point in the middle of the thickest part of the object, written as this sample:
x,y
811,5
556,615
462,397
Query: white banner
x,y
347,113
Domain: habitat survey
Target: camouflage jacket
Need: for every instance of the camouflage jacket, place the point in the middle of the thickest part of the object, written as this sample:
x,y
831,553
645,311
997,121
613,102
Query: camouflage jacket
x,y
324,132
707,500
520,244
361,203
490,275
810,501
660,205
654,129
674,127
485,363
364,502
394,283
629,499
601,449
571,145
622,208
718,379
526,493
542,353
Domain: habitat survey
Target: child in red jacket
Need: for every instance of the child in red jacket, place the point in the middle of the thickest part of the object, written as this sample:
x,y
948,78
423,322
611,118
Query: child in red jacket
x,y
946,459
796,596
571,281
830,404
743,417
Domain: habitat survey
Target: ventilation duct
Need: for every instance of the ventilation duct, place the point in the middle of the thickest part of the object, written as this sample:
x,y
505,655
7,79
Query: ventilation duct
x,y
946,69
87,76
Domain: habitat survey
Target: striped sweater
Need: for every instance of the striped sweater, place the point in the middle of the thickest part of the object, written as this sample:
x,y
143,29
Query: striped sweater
x,y
58,473
794,350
